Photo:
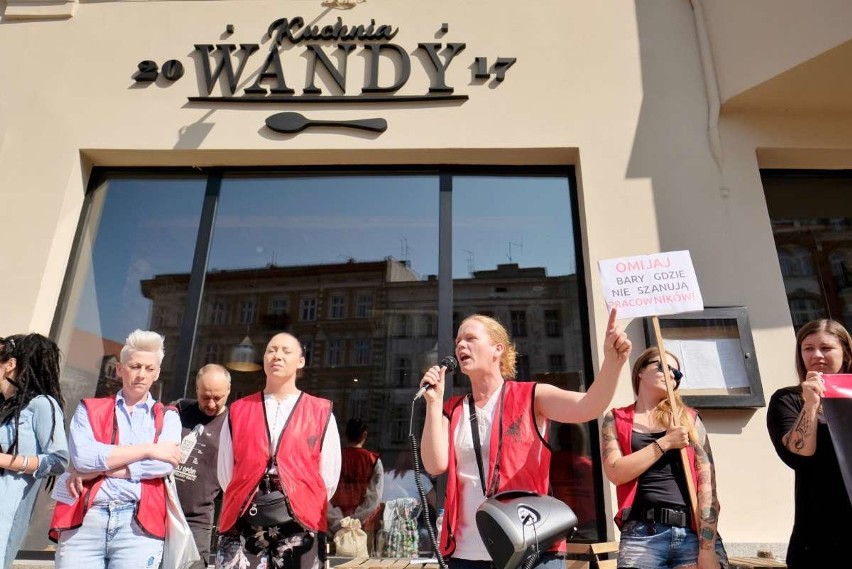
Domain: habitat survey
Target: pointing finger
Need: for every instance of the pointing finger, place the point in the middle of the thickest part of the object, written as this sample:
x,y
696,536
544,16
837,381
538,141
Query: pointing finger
x,y
613,314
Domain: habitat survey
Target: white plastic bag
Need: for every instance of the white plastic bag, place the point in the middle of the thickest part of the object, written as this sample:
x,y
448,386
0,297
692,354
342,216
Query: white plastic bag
x,y
179,550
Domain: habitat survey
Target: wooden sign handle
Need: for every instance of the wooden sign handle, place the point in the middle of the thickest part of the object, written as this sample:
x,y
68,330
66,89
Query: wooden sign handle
x,y
675,420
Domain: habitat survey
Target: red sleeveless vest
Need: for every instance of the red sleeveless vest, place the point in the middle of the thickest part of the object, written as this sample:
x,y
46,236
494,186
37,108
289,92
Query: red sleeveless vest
x,y
357,466
150,512
524,459
297,459
626,492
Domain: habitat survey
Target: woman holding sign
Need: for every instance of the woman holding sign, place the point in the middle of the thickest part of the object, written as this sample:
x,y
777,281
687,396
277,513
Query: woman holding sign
x,y
802,439
495,439
658,527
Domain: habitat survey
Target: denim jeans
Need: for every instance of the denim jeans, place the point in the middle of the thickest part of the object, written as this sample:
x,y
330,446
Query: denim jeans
x,y
108,539
651,545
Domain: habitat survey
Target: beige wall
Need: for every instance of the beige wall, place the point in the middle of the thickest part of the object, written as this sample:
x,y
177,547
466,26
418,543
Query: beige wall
x,y
614,89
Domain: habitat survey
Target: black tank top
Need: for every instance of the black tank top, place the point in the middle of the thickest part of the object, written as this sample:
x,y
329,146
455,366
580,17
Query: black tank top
x,y
663,484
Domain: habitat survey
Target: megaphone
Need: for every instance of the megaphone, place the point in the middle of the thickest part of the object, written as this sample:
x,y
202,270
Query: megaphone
x,y
518,524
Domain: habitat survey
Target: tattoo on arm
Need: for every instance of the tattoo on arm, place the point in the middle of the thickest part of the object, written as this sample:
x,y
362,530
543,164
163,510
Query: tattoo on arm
x,y
609,442
708,503
800,431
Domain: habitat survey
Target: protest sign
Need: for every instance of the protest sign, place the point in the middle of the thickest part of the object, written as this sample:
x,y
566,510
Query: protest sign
x,y
837,407
650,285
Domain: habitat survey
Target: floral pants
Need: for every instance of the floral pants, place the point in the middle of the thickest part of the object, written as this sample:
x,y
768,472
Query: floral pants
x,y
288,546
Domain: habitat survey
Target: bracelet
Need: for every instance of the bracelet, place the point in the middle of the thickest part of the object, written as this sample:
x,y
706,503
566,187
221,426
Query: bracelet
x,y
24,464
662,452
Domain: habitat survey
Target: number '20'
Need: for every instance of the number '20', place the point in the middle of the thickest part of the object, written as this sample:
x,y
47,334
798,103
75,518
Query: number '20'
x,y
148,70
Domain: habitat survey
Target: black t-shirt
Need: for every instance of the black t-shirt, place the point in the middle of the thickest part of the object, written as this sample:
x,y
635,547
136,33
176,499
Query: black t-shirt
x,y
197,483
822,525
663,484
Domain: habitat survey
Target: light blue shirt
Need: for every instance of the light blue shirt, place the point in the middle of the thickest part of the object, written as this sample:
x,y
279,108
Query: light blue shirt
x,y
41,433
89,455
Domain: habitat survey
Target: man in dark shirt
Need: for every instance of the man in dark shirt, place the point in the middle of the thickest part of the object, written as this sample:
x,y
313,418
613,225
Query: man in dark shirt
x,y
196,479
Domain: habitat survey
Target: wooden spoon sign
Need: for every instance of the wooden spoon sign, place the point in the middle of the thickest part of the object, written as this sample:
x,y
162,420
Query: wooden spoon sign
x,y
294,122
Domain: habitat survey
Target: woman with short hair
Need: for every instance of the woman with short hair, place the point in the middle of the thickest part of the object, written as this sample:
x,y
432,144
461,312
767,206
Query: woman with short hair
x,y
280,440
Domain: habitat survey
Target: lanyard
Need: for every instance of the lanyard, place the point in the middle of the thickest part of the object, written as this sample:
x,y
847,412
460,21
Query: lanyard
x,y
487,490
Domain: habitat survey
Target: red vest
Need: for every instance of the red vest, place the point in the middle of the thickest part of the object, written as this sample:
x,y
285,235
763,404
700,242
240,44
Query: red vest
x,y
357,466
150,512
297,459
626,492
524,459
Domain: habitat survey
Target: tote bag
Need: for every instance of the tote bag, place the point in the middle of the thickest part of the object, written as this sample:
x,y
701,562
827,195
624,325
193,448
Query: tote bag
x,y
179,551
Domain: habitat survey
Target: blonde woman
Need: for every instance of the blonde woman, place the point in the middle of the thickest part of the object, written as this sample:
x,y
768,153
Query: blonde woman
x,y
640,452
511,419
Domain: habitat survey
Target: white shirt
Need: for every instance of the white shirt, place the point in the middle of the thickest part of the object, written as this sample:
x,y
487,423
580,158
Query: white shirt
x,y
469,544
277,414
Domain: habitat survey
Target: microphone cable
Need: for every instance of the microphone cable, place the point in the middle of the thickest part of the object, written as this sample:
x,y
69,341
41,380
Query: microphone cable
x,y
415,455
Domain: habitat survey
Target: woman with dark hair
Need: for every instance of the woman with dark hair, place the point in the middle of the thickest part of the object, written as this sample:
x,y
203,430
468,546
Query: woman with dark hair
x,y
32,432
640,450
280,445
802,440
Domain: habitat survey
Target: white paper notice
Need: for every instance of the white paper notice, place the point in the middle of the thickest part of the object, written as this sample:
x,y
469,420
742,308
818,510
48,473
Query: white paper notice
x,y
60,490
710,364
648,285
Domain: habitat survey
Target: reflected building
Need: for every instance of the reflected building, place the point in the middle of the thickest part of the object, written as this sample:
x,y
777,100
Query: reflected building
x,y
815,257
334,309
89,368
369,329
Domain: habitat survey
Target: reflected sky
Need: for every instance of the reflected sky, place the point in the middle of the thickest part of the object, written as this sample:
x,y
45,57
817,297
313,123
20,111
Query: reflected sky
x,y
149,227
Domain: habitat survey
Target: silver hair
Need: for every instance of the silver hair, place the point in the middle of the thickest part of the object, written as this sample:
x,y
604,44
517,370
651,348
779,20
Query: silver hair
x,y
213,368
143,341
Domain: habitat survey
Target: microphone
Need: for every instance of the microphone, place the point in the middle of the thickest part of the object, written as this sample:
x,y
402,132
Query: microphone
x,y
449,362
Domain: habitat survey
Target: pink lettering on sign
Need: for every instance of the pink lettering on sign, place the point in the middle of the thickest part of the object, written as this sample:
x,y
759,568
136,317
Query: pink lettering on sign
x,y
643,265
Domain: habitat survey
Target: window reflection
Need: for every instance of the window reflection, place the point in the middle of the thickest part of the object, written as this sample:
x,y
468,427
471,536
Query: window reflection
x,y
136,229
350,266
810,214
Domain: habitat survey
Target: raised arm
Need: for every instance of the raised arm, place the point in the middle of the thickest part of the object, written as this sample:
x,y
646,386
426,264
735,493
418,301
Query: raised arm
x,y
575,407
801,438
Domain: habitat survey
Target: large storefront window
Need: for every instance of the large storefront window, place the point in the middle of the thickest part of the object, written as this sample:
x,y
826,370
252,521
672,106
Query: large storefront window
x,y
811,215
372,271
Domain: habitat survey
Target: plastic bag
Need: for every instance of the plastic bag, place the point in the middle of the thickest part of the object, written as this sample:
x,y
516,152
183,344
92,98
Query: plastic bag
x,y
400,538
179,549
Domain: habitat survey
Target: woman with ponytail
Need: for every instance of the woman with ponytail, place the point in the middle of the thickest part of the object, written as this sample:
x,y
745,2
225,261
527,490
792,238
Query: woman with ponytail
x,y
640,449
33,446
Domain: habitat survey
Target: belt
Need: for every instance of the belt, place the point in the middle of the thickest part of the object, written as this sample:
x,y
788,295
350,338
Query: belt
x,y
668,516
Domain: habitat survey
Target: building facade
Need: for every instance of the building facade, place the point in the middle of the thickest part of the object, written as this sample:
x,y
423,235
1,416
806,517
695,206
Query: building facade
x,y
365,174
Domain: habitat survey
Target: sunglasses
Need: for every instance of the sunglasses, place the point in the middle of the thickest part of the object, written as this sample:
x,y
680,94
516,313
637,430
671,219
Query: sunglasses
x,y
677,375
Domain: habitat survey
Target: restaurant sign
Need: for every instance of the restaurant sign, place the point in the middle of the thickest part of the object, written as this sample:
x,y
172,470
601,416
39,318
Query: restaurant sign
x,y
252,73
